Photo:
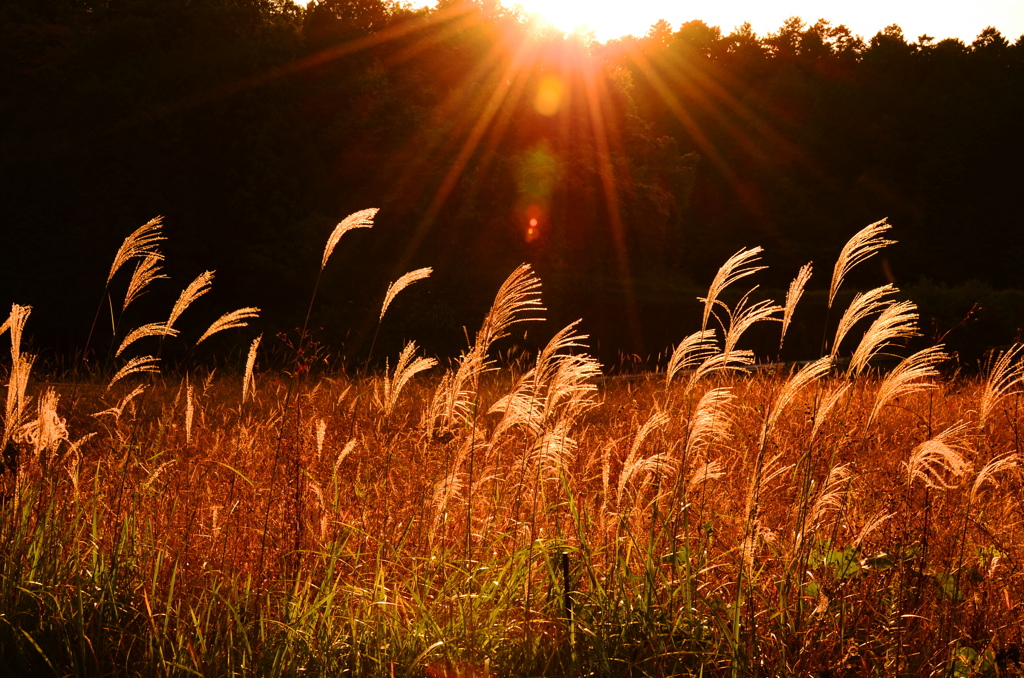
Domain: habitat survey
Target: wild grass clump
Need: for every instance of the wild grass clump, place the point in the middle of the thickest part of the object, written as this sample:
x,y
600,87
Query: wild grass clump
x,y
717,518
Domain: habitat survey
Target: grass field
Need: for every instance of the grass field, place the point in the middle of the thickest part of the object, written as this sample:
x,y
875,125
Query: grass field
x,y
855,515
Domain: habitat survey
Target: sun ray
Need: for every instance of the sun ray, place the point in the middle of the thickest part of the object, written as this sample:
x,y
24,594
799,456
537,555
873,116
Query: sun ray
x,y
602,129
517,65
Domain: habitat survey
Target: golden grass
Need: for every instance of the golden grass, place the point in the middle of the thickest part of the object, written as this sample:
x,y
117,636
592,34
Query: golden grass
x,y
531,519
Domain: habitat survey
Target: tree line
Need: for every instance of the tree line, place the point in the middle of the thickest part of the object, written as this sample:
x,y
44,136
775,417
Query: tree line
x,y
626,172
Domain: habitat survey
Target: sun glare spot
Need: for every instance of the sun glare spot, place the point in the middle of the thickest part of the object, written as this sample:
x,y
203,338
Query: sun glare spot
x,y
533,213
549,95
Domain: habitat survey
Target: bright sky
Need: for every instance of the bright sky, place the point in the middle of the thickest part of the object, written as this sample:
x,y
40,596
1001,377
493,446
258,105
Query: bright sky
x,y
962,19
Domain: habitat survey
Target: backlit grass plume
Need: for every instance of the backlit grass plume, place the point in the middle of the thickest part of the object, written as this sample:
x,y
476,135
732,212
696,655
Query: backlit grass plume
x,y
230,320
796,290
150,330
1005,377
543,519
938,462
897,321
517,300
407,366
141,244
195,289
146,271
400,284
864,305
862,246
910,376
738,266
689,353
248,384
360,219
138,365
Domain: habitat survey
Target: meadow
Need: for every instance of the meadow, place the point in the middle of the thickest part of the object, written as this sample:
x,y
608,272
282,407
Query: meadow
x,y
858,514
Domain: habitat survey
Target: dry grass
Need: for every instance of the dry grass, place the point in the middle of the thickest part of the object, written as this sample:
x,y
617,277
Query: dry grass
x,y
532,520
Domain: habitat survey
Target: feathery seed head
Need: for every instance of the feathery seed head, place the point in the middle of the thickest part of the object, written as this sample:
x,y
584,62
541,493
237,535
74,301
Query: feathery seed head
x,y
360,219
735,267
862,246
141,243
796,290
400,284
196,289
230,320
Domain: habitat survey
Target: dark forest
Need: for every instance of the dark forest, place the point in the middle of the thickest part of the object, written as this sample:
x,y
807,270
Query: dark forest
x,y
253,126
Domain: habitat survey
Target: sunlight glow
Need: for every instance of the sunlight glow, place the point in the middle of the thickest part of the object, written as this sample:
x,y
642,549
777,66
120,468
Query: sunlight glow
x,y
549,95
612,20
917,17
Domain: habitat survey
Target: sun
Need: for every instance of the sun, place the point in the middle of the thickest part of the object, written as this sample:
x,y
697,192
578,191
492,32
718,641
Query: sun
x,y
567,15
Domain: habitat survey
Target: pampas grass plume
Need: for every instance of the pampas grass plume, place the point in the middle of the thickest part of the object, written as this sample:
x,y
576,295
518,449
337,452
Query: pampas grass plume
x,y
145,363
400,284
141,243
150,330
248,386
862,246
146,271
796,290
230,320
1006,374
735,267
360,219
196,289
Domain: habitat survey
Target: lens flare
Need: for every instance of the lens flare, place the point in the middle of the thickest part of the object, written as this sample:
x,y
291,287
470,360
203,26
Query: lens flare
x,y
549,95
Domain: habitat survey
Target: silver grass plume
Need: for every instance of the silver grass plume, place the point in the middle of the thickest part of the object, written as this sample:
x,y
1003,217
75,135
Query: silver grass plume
x,y
140,244
744,316
908,377
189,411
767,472
734,361
691,352
711,419
896,321
828,402
1005,376
517,300
554,450
146,271
145,363
21,368
635,465
196,289
558,384
796,290
708,471
248,384
360,219
735,267
400,284
861,247
806,376
150,330
230,320
864,304
937,462
406,368
987,474
48,429
828,499
117,410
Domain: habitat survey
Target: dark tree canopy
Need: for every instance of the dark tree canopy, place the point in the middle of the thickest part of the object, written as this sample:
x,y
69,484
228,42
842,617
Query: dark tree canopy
x,y
253,126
